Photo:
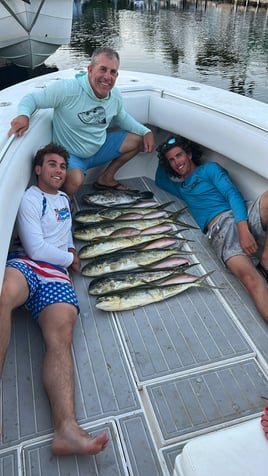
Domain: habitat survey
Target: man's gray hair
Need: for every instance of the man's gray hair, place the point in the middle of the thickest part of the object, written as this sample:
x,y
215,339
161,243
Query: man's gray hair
x,y
106,50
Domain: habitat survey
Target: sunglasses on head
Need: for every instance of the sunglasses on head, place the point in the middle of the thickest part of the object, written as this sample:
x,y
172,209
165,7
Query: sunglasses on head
x,y
170,141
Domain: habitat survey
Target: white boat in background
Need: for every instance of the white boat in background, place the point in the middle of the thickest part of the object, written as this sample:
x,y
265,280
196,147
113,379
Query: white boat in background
x,y
32,30
158,379
139,3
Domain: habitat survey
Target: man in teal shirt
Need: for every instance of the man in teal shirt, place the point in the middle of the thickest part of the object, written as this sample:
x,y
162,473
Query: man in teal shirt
x,y
83,109
236,230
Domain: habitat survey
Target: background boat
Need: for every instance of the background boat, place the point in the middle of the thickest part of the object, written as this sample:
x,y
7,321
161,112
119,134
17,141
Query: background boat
x,y
32,31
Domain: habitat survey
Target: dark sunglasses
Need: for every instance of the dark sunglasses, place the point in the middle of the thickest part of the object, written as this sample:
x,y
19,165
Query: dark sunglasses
x,y
170,141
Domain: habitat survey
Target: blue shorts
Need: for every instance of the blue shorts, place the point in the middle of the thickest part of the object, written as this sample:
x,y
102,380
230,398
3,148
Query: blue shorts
x,y
43,293
224,237
109,150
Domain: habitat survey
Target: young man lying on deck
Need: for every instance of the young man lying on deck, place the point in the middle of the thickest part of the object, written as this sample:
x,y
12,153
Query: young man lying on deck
x,y
39,280
237,231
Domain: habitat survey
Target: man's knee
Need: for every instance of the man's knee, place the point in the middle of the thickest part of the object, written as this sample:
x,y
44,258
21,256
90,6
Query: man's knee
x,y
246,273
140,143
73,182
15,289
57,323
132,142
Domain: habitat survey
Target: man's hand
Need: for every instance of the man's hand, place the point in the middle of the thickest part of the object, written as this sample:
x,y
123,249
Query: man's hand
x,y
247,240
148,142
76,264
19,125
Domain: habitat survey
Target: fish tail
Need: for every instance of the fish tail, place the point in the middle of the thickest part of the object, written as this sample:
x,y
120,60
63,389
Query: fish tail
x,y
200,282
164,205
183,267
146,195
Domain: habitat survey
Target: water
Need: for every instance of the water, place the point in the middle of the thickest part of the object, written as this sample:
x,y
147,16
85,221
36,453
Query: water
x,y
218,44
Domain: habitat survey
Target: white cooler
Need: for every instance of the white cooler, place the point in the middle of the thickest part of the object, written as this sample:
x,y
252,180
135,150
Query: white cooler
x,y
241,450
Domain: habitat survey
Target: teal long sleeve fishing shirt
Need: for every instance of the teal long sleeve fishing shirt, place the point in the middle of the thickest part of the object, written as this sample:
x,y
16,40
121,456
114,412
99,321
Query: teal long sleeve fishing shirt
x,y
80,119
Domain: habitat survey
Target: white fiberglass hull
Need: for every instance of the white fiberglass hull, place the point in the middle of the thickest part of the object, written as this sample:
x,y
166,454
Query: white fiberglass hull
x,y
30,32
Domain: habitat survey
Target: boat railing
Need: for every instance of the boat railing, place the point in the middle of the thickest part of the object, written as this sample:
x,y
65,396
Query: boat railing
x,y
211,127
166,94
6,146
15,172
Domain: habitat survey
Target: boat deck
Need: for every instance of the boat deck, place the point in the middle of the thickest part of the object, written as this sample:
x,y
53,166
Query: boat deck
x,y
152,377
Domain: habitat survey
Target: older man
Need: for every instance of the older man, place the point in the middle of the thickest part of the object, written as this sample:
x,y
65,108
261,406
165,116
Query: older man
x,y
84,108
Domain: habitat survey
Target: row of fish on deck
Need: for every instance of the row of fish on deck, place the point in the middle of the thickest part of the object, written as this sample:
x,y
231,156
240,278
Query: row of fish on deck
x,y
134,249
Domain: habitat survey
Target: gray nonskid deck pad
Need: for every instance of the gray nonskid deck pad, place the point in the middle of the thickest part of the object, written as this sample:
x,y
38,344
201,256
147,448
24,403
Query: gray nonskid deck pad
x,y
138,443
182,333
39,460
104,378
9,463
130,452
186,406
169,454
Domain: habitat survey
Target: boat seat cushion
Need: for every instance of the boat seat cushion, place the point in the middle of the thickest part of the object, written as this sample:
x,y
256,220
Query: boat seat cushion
x,y
241,450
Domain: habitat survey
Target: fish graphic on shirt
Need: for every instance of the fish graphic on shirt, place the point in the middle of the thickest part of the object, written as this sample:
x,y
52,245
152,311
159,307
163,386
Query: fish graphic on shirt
x,y
93,116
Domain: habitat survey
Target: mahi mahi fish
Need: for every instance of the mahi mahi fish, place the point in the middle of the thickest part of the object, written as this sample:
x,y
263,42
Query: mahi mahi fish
x,y
123,261
153,230
109,245
96,230
127,280
141,296
108,198
93,215
86,216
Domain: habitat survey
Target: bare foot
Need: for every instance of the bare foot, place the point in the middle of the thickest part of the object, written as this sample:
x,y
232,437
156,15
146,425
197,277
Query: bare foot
x,y
112,184
78,441
264,422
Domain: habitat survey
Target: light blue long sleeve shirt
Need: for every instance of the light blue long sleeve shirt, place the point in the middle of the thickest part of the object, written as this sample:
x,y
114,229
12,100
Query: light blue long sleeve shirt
x,y
80,119
208,191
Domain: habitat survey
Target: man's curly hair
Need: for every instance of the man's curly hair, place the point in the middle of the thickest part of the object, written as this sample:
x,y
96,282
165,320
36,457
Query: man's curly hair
x,y
50,149
185,144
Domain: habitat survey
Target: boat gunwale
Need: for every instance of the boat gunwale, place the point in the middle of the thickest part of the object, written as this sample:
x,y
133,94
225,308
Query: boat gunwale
x,y
167,93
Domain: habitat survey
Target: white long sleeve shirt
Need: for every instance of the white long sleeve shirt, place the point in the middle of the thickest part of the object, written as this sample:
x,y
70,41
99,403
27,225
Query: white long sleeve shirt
x,y
44,227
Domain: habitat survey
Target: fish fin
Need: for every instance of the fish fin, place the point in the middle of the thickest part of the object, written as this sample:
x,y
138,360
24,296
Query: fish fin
x,y
174,218
146,195
206,285
126,231
178,212
182,268
151,266
164,205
